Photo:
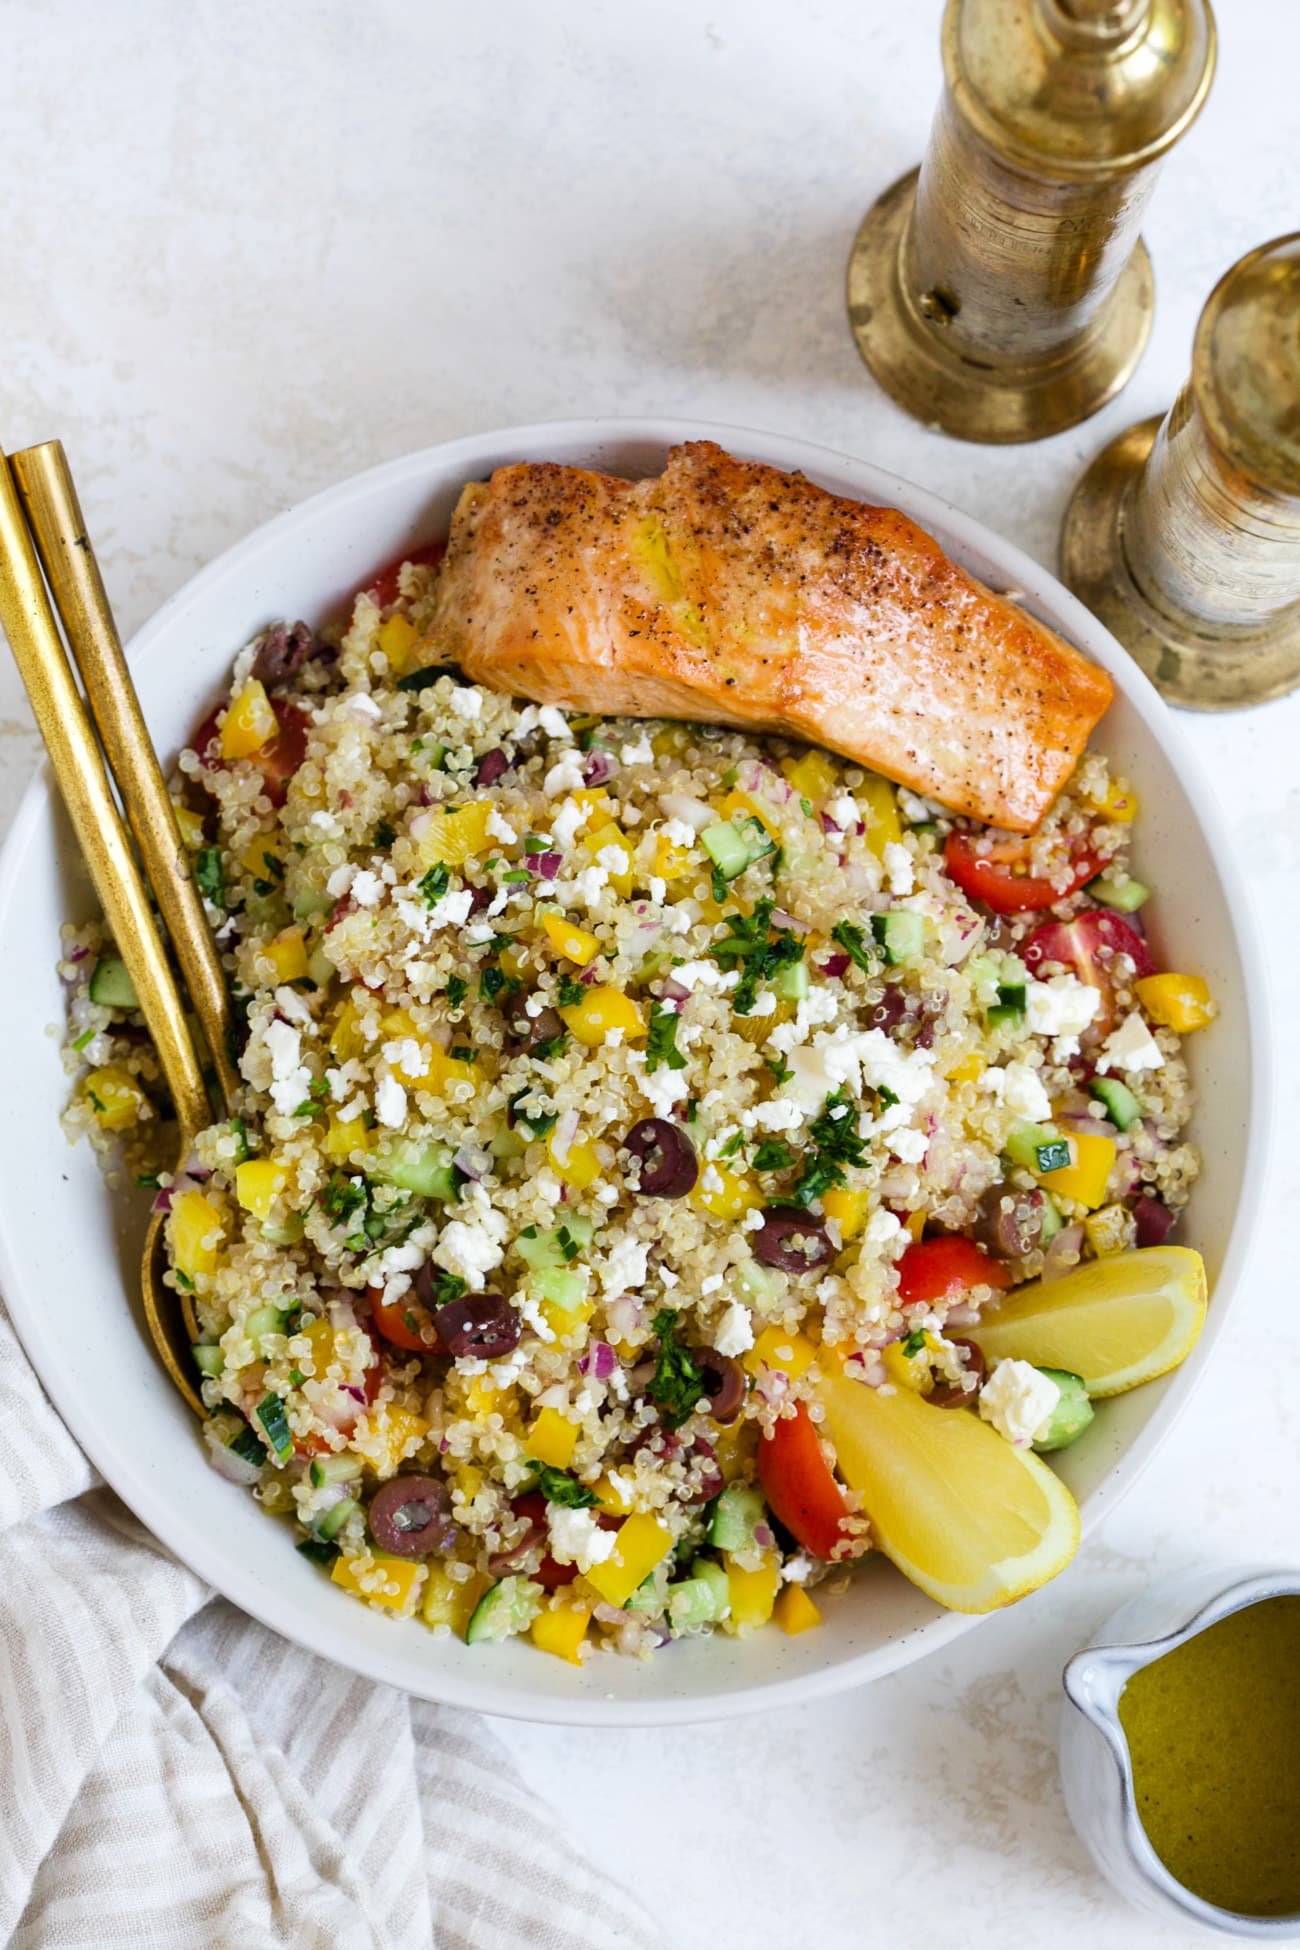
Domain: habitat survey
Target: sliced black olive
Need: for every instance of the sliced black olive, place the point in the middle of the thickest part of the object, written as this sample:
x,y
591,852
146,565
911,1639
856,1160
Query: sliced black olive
x,y
669,1166
411,1517
483,1325
792,1241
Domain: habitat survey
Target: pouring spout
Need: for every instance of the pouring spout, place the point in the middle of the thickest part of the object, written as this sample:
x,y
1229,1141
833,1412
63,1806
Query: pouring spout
x,y
1095,1678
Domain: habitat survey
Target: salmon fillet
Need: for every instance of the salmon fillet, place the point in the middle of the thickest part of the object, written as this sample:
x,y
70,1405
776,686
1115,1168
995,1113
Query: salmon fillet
x,y
734,594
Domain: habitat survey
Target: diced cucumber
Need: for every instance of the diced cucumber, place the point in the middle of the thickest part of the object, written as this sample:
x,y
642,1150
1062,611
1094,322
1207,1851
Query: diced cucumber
x,y
275,1425
317,1552
546,1250
734,844
1005,1015
564,1286
286,1235
208,1357
1052,1220
263,1321
335,1518
425,1169
334,1469
1070,1417
762,1286
1122,1107
310,902
321,968
111,986
652,1593
504,1609
792,983
1125,894
249,1446
1038,1148
901,935
701,1599
735,1514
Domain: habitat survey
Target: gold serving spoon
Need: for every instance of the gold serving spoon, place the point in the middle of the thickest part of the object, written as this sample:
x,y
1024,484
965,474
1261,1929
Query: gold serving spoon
x,y
29,623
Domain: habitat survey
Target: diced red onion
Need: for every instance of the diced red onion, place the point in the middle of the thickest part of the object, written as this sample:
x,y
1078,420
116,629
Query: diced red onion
x,y
1087,1126
1063,1253
763,781
598,767
163,1201
611,1615
835,965
692,812
1154,1220
235,1469
764,1536
674,991
79,954
357,1394
565,1132
472,1161
624,1315
781,919
599,1361
548,864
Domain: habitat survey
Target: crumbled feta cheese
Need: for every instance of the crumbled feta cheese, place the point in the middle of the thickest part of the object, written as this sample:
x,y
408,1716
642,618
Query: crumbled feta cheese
x,y
340,880
466,701
764,1004
911,1146
1062,1007
362,705
844,811
564,776
1019,1400
588,886
625,1267
735,1332
407,1055
290,1004
819,1007
711,1179
1023,1093
777,1114
470,1249
569,821
640,753
795,1570
532,1313
478,932
577,1538
712,1283
553,722
657,888
898,867
881,1227
678,833
453,910
613,859
663,1087
501,829
290,1079
367,888
390,1103
1131,1047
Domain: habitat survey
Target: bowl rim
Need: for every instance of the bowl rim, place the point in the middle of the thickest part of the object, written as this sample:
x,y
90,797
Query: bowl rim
x,y
1034,585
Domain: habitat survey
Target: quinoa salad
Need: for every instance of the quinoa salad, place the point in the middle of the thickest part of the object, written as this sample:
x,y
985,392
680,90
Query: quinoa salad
x,y
606,1083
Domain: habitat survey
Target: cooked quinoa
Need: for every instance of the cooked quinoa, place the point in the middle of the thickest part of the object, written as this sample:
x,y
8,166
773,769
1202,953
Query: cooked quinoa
x,y
598,1075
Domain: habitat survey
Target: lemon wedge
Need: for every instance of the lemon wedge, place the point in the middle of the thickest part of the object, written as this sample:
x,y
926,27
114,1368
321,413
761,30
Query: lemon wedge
x,y
972,1520
1115,1322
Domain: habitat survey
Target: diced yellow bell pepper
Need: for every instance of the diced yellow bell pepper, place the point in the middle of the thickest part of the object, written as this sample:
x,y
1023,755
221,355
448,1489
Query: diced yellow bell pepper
x,y
778,1347
469,1480
343,1136
914,1225
1181,1002
610,1497
745,804
1120,805
600,1010
969,1070
191,827
552,1438
394,1587
672,862
910,1370
257,1184
642,1541
397,638
453,837
480,1398
346,1040
753,1593
573,942
451,1601
580,1165
847,1208
1086,1177
878,804
613,837
287,954
561,1628
388,1431
724,1193
813,776
321,1336
197,1229
669,740
563,1321
795,1611
257,859
1110,1230
250,722
115,1097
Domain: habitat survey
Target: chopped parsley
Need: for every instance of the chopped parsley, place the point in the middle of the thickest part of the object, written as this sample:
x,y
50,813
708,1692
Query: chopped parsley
x,y
148,1181
342,1197
536,843
568,1245
773,1154
434,884
854,943
462,1053
239,1131
550,1046
915,1343
557,1486
732,1145
540,1123
833,1143
677,1383
721,885
758,950
420,680
384,836
445,1287
569,993
781,1071
494,982
183,1280
209,875
516,874
457,990
86,1036
661,1041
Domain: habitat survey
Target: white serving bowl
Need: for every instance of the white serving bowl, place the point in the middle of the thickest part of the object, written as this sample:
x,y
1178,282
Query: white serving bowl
x,y
68,1250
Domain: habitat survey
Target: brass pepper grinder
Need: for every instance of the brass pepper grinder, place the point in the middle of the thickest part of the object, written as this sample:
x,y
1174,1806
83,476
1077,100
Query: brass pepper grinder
x,y
1002,291
1184,534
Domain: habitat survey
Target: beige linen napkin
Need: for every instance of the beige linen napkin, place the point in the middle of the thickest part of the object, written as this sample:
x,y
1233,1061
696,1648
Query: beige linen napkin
x,y
171,1773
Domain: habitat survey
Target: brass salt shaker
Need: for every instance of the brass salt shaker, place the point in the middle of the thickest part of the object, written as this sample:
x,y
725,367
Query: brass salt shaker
x,y
1002,292
1183,536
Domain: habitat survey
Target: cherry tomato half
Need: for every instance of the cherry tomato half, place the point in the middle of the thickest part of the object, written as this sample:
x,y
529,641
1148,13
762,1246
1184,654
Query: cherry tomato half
x,y
1089,945
405,1324
549,1574
945,1269
800,1485
998,879
277,761
383,590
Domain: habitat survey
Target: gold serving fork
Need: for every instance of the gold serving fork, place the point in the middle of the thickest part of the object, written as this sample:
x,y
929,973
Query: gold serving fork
x,y
41,527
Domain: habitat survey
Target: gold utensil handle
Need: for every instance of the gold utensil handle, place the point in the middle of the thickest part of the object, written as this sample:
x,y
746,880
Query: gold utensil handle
x,y
28,622
49,497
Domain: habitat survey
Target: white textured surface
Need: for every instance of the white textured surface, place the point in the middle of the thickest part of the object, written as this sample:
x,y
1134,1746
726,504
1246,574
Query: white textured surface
x,y
249,250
